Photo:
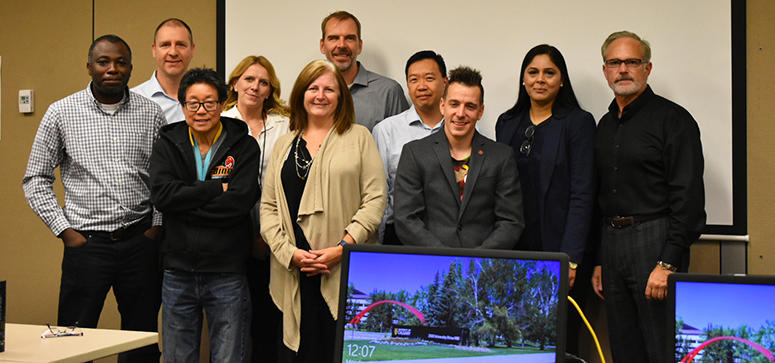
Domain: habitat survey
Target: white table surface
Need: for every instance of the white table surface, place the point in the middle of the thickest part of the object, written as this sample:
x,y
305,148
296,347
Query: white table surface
x,y
24,344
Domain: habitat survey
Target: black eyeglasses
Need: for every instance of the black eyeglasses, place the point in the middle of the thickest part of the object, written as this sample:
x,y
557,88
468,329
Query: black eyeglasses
x,y
527,145
628,63
192,106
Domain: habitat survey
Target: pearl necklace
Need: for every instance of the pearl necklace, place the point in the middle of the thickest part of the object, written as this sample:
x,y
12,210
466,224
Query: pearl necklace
x,y
302,165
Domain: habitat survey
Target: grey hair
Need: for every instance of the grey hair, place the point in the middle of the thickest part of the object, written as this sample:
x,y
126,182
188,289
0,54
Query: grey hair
x,y
627,34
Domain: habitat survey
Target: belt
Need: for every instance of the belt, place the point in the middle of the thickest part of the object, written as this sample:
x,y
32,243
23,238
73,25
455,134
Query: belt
x,y
123,232
621,222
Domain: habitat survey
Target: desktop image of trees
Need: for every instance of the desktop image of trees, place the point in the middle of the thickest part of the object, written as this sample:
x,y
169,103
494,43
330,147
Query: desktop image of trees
x,y
505,307
725,350
724,322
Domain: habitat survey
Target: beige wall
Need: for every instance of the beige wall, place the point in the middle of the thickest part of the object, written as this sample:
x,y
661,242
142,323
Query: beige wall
x,y
761,133
43,45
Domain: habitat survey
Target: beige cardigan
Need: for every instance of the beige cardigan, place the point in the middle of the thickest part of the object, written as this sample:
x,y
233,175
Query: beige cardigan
x,y
345,191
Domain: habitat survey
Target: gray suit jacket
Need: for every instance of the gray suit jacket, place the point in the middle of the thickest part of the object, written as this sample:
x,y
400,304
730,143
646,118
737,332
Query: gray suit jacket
x,y
428,209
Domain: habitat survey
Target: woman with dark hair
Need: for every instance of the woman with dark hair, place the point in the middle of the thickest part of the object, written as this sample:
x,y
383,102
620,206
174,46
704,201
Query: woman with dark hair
x,y
553,141
324,188
204,178
254,97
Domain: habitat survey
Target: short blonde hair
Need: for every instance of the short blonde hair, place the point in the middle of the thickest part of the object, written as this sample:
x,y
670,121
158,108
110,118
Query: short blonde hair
x,y
273,104
627,34
344,116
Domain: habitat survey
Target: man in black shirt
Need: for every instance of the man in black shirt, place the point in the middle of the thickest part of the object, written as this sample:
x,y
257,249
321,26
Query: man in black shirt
x,y
652,199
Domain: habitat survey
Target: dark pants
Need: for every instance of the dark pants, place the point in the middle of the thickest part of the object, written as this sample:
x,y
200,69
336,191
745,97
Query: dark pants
x,y
637,326
266,321
390,237
131,267
317,328
581,288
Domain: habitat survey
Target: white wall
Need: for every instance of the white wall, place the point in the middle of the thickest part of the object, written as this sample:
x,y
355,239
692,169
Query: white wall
x,y
691,52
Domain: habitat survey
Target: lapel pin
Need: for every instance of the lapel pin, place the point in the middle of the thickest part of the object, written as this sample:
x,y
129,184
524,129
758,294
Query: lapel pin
x,y
481,152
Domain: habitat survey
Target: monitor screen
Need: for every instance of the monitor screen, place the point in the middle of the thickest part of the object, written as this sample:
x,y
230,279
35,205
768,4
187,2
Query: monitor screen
x,y
722,318
404,304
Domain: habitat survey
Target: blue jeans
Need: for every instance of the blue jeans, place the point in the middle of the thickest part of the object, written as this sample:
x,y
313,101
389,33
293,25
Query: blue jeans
x,y
226,301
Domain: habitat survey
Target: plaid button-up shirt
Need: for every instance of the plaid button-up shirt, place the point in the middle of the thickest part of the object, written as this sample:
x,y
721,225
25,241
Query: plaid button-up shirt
x,y
103,160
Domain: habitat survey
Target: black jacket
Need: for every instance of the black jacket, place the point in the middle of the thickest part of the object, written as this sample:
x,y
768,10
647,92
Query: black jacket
x,y
205,228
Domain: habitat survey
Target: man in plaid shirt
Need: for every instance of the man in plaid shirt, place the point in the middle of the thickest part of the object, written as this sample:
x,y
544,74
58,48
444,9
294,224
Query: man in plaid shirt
x,y
101,139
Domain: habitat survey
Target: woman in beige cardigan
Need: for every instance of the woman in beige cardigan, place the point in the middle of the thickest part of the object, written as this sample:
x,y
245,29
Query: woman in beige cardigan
x,y
324,187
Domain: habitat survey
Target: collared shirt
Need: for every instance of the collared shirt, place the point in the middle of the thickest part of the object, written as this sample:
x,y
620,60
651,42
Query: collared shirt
x,y
103,161
151,89
650,163
274,127
375,97
391,134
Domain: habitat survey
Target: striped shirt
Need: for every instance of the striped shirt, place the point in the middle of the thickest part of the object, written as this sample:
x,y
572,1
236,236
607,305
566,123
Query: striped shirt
x,y
103,159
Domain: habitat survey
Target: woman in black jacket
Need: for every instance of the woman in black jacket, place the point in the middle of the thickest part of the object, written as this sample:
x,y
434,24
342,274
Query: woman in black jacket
x,y
204,179
553,141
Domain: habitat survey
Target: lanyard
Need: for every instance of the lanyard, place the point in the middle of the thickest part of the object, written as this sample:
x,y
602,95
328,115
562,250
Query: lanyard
x,y
201,167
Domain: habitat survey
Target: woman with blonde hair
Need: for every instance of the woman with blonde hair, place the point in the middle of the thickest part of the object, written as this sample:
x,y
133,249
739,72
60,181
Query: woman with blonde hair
x,y
324,188
254,97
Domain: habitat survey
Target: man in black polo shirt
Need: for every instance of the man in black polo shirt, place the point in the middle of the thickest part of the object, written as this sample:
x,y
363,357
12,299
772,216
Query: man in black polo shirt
x,y
652,197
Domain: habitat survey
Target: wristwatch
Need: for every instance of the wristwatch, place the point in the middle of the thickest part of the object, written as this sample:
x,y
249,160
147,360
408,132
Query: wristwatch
x,y
667,266
573,265
342,243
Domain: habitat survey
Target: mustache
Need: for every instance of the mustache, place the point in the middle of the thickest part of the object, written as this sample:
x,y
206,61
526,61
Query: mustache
x,y
624,78
341,51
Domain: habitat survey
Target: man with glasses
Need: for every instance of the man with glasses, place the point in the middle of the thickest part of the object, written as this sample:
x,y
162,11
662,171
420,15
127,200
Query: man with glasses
x,y
651,194
204,178
101,139
173,48
457,188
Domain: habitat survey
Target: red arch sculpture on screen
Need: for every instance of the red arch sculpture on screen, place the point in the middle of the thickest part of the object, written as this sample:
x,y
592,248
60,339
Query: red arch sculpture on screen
x,y
690,357
414,311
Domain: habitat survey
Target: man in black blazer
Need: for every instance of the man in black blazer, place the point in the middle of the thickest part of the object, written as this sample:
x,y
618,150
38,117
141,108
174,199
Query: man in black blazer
x,y
458,188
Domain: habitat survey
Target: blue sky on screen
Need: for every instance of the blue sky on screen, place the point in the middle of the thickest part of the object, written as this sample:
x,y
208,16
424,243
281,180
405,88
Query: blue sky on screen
x,y
727,305
370,271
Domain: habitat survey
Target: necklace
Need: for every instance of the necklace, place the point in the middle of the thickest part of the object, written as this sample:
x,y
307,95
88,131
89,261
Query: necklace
x,y
302,164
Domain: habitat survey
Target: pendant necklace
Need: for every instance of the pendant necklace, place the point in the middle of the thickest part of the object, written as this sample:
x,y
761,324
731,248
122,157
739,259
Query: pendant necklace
x,y
302,164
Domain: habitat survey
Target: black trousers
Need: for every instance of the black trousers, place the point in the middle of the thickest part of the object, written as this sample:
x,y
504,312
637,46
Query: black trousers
x,y
317,328
637,326
265,327
131,267
390,237
581,288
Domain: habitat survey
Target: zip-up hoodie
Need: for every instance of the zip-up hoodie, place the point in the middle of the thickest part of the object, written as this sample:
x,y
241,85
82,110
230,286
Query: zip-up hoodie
x,y
205,228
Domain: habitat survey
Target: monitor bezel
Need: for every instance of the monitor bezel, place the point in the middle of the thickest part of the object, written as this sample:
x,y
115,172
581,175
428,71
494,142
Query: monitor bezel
x,y
673,278
462,252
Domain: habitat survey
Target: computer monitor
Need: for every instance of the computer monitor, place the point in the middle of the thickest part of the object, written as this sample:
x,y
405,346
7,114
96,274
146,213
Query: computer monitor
x,y
716,318
403,304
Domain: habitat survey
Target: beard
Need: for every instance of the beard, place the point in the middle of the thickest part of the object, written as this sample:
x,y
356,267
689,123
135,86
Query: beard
x,y
343,52
627,89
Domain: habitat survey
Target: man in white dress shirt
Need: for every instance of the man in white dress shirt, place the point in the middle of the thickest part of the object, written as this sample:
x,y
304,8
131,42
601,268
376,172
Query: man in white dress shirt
x,y
426,78
173,48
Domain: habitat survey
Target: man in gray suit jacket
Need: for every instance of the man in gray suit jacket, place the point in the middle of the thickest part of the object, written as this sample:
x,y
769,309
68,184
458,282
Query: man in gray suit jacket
x,y
458,188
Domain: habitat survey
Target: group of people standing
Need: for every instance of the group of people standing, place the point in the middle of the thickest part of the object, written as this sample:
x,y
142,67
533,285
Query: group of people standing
x,y
247,201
